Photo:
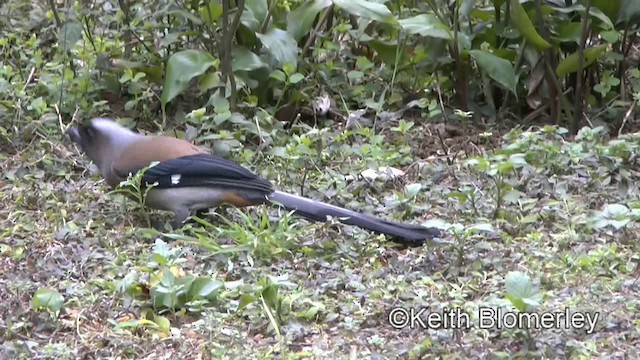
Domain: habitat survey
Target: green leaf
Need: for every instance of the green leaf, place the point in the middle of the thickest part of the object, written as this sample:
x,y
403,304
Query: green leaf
x,y
162,298
128,324
355,75
504,167
521,292
569,31
610,36
204,287
512,196
279,75
310,313
367,10
281,45
258,8
288,69
629,12
569,64
615,215
46,298
521,21
411,190
426,25
481,227
185,14
516,302
610,8
518,160
460,196
209,81
363,63
595,12
270,295
211,13
496,67
245,300
161,248
181,68
300,20
68,35
249,20
386,50
481,164
130,105
245,60
466,7
296,78
163,323
615,211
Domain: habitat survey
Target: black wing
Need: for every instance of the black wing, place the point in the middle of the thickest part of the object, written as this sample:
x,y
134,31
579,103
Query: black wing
x,y
204,170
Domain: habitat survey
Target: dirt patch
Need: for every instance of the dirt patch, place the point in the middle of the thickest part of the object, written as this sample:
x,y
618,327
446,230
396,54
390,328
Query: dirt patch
x,y
457,138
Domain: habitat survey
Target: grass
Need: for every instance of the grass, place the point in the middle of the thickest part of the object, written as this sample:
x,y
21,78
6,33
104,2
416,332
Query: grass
x,y
287,288
536,221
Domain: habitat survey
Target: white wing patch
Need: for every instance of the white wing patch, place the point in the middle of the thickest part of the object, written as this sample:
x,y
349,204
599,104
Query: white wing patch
x,y
175,179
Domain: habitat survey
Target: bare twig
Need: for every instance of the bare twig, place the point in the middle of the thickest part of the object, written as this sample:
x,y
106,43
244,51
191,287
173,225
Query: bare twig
x,y
627,116
54,11
229,35
440,101
549,64
29,78
267,18
312,36
579,101
126,36
444,147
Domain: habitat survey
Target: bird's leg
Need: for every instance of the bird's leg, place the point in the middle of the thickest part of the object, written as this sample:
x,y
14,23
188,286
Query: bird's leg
x,y
159,224
180,215
201,213
183,216
206,215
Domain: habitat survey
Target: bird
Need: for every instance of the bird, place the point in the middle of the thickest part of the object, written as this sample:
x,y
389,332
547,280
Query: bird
x,y
188,179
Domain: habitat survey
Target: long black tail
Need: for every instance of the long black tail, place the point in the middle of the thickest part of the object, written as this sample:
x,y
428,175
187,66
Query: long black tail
x,y
406,234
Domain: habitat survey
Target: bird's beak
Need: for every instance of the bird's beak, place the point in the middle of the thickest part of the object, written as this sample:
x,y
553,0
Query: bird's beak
x,y
72,135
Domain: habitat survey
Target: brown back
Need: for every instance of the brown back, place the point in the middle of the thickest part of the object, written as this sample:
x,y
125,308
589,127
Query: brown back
x,y
152,148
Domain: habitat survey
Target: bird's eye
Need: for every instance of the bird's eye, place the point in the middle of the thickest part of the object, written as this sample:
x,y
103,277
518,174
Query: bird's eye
x,y
87,131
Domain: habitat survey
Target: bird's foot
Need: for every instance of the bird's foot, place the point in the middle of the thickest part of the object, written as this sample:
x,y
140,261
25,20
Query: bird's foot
x,y
160,225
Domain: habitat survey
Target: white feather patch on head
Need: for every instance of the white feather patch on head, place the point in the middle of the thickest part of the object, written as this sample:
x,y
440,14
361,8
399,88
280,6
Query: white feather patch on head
x,y
175,179
118,136
109,126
